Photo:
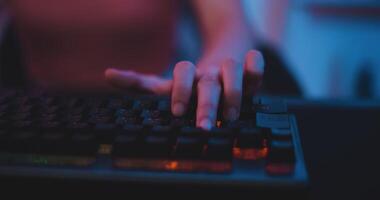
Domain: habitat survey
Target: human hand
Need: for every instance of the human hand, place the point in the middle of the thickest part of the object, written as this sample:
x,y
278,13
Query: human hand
x,y
231,76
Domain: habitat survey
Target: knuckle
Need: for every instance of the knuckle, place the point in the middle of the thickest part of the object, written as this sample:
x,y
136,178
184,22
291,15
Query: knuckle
x,y
209,78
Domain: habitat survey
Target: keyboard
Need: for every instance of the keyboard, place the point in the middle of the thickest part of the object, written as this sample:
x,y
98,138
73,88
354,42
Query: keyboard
x,y
128,139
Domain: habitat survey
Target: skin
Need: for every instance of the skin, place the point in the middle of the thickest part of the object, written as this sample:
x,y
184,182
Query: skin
x,y
228,65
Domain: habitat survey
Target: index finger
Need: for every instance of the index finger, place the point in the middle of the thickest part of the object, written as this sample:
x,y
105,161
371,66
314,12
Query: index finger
x,y
209,89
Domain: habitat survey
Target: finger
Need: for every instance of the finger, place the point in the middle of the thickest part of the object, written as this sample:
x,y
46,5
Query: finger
x,y
209,89
253,71
232,78
183,74
133,81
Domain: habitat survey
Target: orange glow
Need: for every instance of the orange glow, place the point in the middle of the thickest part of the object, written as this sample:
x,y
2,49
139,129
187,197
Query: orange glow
x,y
105,149
173,165
250,154
218,123
279,168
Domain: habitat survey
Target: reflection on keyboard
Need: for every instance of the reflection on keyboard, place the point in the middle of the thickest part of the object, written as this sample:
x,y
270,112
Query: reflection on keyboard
x,y
88,133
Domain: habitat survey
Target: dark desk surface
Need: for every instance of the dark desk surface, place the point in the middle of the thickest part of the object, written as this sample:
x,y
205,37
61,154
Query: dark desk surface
x,y
341,141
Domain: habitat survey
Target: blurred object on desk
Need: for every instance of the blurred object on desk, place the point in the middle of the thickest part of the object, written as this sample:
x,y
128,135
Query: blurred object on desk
x,y
312,44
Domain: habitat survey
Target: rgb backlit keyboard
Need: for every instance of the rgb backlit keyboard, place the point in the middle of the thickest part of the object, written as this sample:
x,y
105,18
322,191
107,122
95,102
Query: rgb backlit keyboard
x,y
137,139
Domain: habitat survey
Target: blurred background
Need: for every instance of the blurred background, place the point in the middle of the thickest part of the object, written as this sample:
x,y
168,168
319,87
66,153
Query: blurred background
x,y
332,47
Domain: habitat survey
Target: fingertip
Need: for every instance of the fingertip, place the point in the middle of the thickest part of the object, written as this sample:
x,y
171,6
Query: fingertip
x,y
178,109
184,67
205,124
254,61
112,73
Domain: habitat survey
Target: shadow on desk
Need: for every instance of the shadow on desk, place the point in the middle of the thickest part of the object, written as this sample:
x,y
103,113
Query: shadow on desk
x,y
341,146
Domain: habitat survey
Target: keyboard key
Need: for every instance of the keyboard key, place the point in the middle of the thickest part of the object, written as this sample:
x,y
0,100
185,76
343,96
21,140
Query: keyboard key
x,y
280,134
219,148
188,147
78,126
149,104
250,138
157,146
162,130
4,137
106,132
132,129
272,120
23,142
126,145
54,143
281,152
190,143
250,144
164,106
271,106
50,125
83,144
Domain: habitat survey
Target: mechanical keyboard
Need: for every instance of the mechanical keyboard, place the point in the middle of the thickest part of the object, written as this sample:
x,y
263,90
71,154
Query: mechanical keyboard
x,y
136,139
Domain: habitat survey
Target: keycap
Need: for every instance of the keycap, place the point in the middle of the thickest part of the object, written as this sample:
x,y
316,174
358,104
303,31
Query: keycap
x,y
280,134
24,124
106,132
246,110
54,143
126,145
50,124
150,122
4,135
132,129
114,103
83,144
250,138
219,148
237,125
190,143
265,120
77,126
20,116
163,106
158,141
163,130
271,106
22,142
157,146
281,152
149,104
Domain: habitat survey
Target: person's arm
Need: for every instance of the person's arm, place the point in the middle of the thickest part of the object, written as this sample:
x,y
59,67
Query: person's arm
x,y
226,64
225,32
226,39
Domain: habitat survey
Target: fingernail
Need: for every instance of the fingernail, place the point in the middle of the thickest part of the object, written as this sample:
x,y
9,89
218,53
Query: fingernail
x,y
232,114
206,124
178,109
